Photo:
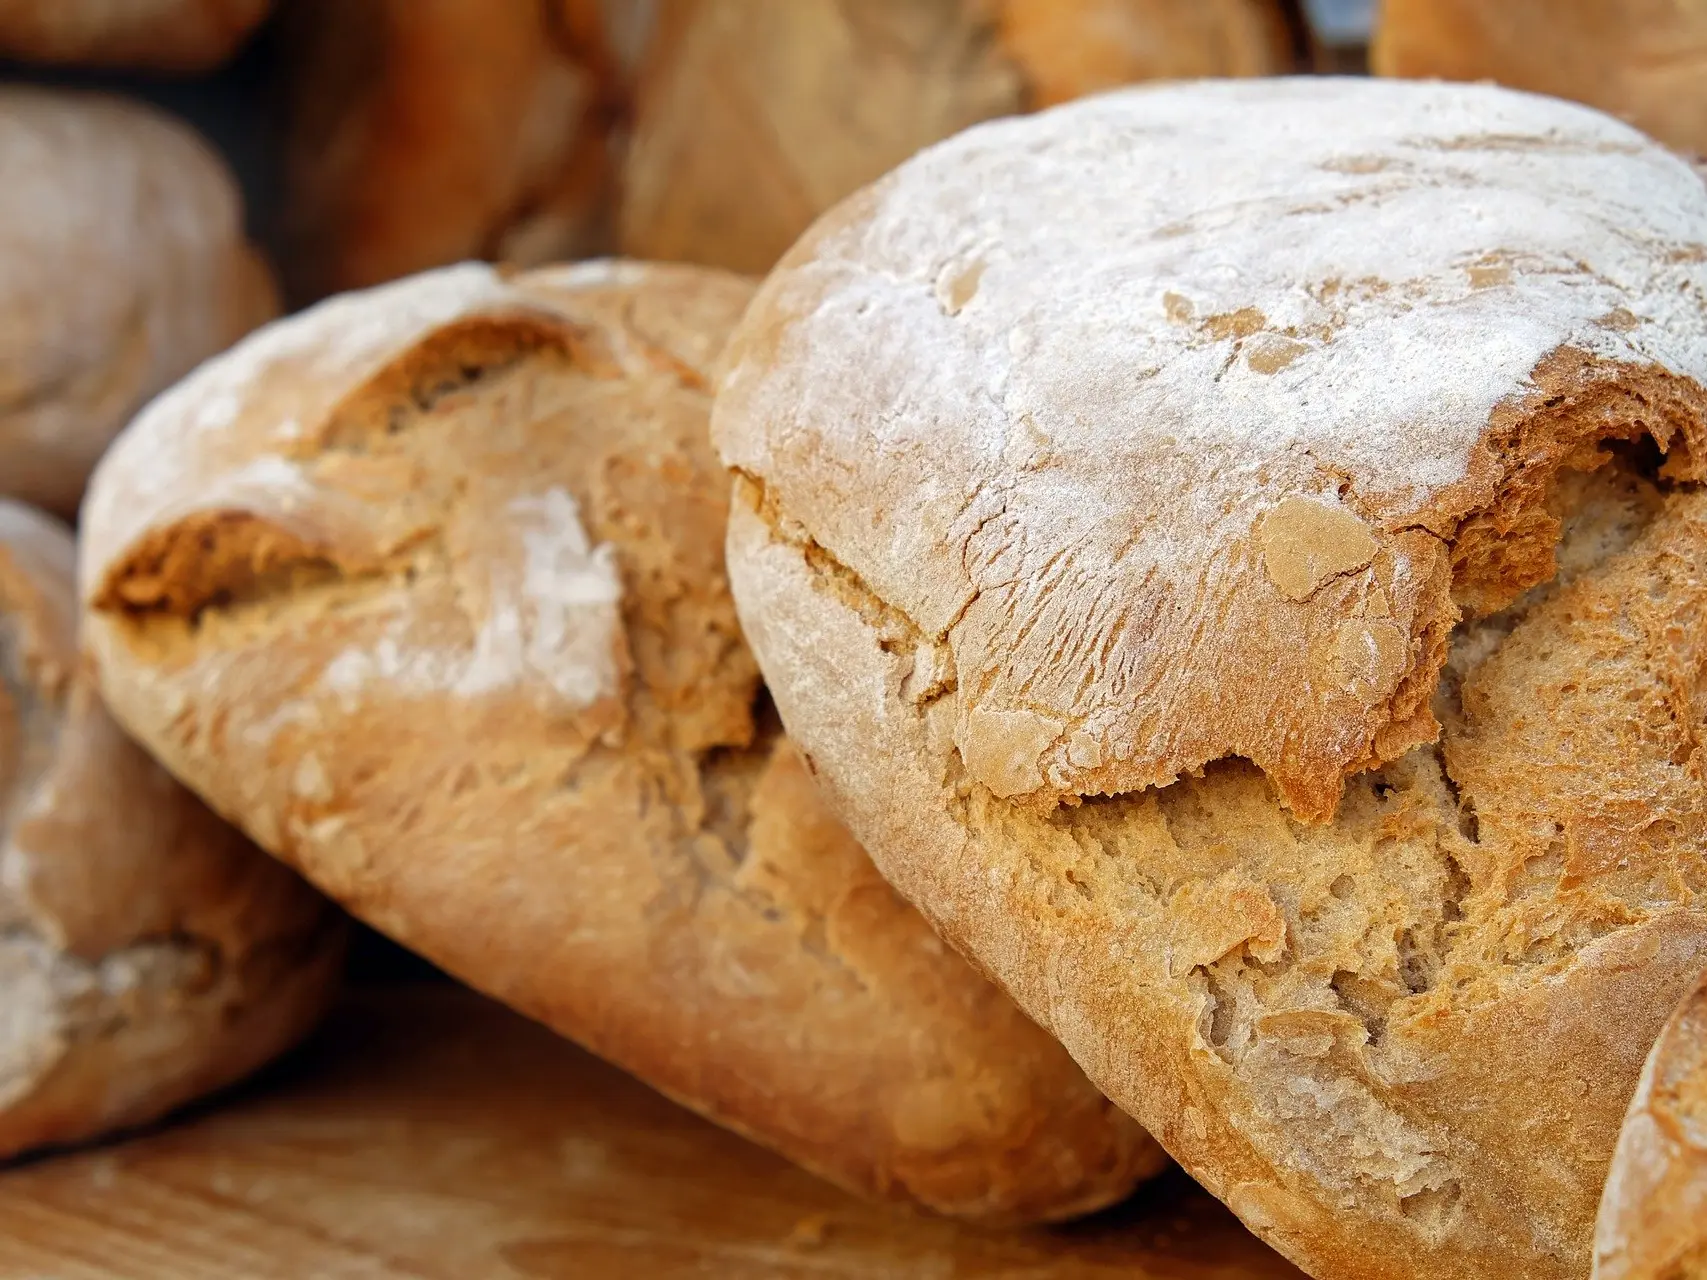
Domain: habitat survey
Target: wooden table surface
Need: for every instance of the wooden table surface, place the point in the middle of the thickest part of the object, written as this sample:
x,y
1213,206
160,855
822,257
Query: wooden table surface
x,y
428,1133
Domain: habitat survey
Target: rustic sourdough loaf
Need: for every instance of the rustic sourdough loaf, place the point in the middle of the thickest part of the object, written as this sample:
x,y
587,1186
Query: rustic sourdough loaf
x,y
1653,1215
422,132
1146,521
1642,60
753,117
123,265
425,589
148,953
161,35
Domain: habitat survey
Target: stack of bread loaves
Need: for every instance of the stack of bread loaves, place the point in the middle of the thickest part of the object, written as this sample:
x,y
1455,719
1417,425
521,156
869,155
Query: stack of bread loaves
x,y
1180,614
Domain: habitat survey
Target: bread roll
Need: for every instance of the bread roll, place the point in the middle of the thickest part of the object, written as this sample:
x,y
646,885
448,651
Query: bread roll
x,y
123,264
159,35
754,116
1642,60
422,132
1653,1215
425,588
148,953
1163,583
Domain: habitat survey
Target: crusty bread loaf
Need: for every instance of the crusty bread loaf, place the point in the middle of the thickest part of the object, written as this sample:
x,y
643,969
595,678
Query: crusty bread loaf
x,y
1642,60
425,589
123,264
1653,1215
148,953
422,132
160,35
754,117
1105,557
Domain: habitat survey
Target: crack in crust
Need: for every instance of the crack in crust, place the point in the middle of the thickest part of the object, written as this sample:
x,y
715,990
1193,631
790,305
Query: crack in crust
x,y
1328,997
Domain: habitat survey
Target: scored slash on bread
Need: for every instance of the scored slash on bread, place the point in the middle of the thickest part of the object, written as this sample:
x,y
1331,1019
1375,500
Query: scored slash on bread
x,y
148,953
1233,555
424,588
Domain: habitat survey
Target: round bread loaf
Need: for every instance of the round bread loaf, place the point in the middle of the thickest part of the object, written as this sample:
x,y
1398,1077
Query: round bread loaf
x,y
123,264
1642,60
148,953
753,117
425,588
422,132
1653,1215
1149,524
160,35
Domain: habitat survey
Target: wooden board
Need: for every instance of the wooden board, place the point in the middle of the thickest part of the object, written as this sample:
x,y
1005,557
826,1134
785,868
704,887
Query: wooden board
x,y
428,1133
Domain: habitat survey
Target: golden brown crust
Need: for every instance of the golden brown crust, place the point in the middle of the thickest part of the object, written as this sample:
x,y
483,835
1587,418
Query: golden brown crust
x,y
443,621
423,132
1396,1035
1653,1216
125,265
159,35
1644,61
148,953
752,119
1094,465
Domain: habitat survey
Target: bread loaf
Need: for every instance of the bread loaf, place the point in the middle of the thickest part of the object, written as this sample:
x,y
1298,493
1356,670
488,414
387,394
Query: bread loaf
x,y
754,117
422,132
1642,60
123,262
424,587
1653,1215
148,953
160,35
1166,585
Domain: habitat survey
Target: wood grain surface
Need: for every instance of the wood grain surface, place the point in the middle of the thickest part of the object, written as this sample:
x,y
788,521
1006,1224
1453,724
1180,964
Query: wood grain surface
x,y
428,1133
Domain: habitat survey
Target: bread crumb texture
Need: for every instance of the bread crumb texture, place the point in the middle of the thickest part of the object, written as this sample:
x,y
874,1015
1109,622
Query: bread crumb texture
x,y
1262,622
425,588
148,953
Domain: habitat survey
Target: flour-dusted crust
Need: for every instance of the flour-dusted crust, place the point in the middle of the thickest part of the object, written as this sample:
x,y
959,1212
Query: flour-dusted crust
x,y
1194,461
1653,1215
423,132
752,118
159,35
1182,424
123,263
148,953
424,587
1644,61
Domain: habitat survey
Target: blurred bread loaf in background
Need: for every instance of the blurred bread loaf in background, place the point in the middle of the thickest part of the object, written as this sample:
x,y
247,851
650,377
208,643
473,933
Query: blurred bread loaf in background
x,y
123,262
148,952
159,35
755,116
1644,61
422,132
424,587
